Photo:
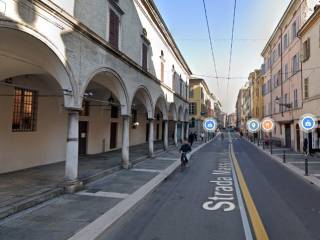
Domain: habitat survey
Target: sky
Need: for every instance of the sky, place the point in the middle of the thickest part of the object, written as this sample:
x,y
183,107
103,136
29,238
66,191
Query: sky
x,y
254,23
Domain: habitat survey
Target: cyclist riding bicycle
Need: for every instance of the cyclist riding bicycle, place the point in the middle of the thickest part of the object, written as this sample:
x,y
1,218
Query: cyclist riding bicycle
x,y
184,149
222,136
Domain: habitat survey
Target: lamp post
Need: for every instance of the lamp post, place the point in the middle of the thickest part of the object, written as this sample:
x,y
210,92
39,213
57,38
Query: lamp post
x,y
287,105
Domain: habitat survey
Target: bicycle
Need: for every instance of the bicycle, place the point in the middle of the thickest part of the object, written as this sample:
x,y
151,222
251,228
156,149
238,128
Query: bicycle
x,y
184,160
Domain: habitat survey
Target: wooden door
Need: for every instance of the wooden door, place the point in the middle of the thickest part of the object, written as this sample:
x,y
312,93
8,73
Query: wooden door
x,y
83,136
113,135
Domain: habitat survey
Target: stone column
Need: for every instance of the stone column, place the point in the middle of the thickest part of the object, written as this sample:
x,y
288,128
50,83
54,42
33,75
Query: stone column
x,y
182,131
125,142
72,182
151,138
165,140
176,133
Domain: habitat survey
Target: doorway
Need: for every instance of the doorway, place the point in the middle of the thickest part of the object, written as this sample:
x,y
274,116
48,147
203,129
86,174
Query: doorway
x,y
83,135
147,132
113,135
158,131
298,137
288,135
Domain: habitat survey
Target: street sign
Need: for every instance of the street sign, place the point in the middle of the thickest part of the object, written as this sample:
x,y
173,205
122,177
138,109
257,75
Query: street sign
x,y
308,123
253,125
210,125
267,125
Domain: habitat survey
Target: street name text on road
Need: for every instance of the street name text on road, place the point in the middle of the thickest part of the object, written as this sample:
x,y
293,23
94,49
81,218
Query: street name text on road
x,y
223,190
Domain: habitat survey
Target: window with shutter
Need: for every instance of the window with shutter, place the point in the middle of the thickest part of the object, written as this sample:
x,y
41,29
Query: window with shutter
x,y
144,56
306,49
306,88
114,29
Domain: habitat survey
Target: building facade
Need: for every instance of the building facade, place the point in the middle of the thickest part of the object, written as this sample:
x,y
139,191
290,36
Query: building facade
x,y
246,106
256,83
201,103
79,77
232,120
309,35
282,87
239,113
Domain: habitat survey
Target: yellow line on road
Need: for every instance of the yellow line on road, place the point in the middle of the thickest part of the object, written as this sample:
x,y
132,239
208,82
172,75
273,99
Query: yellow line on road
x,y
256,222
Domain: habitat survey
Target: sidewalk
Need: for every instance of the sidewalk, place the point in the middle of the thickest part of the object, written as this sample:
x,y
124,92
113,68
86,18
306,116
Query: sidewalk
x,y
295,162
91,211
26,188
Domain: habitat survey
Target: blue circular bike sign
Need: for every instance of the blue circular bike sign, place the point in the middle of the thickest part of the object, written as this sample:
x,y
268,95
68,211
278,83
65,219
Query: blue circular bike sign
x,y
308,122
210,125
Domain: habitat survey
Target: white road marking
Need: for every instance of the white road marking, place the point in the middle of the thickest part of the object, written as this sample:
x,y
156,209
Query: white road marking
x,y
168,159
300,162
243,213
288,154
145,170
104,194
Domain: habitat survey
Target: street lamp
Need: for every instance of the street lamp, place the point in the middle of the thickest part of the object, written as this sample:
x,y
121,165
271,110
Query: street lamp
x,y
287,105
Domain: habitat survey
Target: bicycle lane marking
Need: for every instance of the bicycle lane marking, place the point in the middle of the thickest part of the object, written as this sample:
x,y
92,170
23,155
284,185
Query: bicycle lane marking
x,y
256,222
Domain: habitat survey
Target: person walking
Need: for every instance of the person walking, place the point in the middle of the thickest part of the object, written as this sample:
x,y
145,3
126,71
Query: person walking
x,y
202,136
195,136
191,138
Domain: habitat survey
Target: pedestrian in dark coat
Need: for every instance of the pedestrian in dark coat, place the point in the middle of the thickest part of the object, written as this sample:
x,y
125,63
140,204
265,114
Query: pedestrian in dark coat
x,y
191,138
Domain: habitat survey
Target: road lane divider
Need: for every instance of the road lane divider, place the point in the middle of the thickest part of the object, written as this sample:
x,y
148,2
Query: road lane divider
x,y
256,222
243,213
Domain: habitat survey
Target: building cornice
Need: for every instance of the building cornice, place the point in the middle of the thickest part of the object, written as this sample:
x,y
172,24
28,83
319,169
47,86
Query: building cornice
x,y
55,10
310,22
155,15
291,4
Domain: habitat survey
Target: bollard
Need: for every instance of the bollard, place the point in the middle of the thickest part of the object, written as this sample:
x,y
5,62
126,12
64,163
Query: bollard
x,y
270,146
284,156
306,166
263,144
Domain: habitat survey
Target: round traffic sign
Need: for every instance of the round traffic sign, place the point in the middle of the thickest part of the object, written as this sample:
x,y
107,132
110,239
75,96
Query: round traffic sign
x,y
267,125
253,125
308,122
210,125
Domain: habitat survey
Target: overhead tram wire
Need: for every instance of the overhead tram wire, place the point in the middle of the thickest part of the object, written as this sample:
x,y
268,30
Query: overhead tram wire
x,y
289,73
231,47
211,45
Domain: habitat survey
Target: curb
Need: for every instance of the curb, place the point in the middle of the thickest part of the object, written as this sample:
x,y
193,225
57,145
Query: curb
x,y
309,179
102,223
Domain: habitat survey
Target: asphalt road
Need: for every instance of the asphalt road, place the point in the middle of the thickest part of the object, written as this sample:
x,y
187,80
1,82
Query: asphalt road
x,y
289,206
202,202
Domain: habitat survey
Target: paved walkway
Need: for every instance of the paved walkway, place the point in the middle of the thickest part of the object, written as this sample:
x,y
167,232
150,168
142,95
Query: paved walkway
x,y
102,202
22,189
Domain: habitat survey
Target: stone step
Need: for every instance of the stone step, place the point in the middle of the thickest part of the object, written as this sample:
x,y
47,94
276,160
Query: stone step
x,y
30,202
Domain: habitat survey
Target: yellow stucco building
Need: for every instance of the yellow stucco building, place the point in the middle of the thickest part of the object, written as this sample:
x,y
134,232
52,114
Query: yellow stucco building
x,y
201,103
256,79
